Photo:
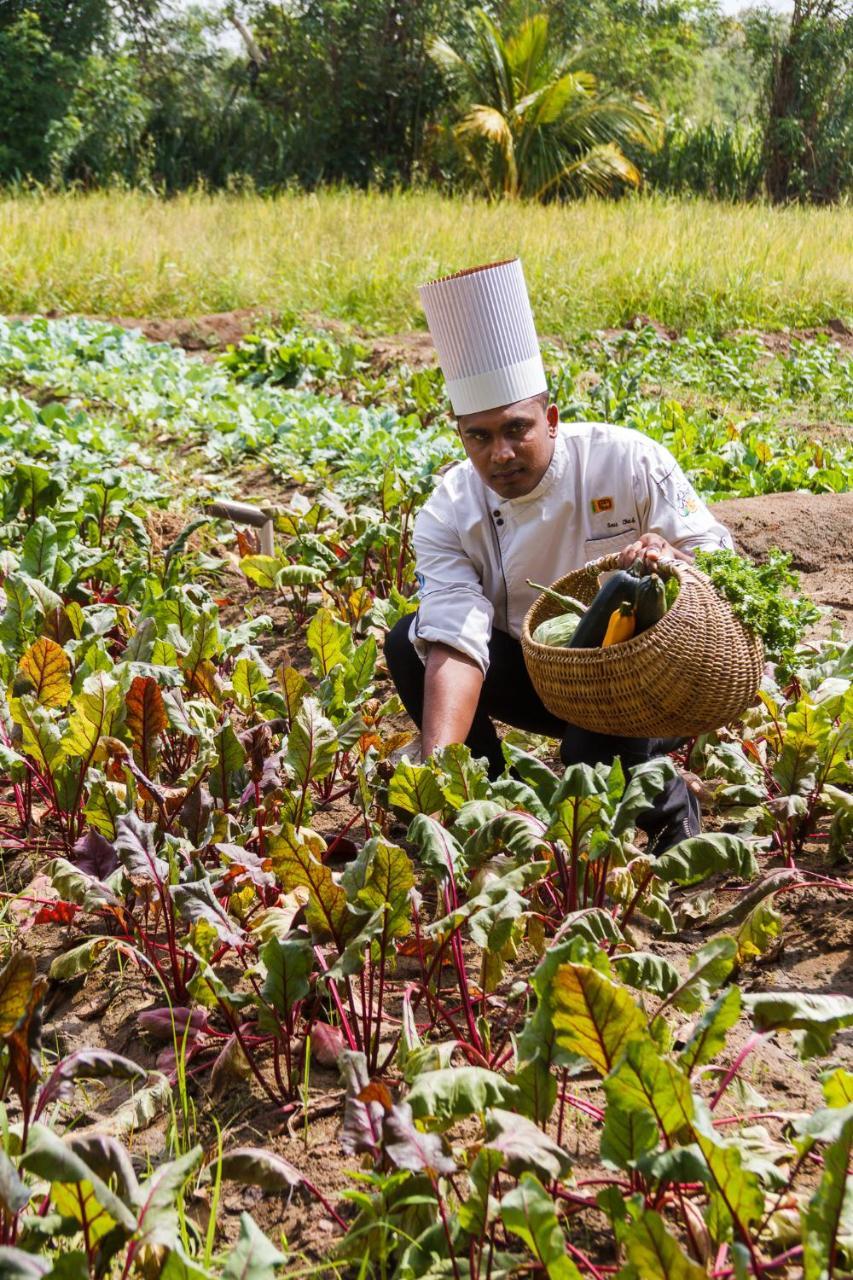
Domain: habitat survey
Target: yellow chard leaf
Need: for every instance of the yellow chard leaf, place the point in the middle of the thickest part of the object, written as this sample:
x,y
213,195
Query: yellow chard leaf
x,y
594,1016
16,983
92,715
46,665
79,1200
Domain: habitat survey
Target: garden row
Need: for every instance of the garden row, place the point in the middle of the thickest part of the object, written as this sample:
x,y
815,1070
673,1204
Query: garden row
x,y
244,841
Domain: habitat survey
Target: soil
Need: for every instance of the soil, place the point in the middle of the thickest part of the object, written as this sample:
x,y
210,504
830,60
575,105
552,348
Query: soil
x,y
194,333
219,329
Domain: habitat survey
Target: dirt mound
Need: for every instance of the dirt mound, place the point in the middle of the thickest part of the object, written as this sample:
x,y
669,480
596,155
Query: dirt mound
x,y
413,349
814,527
193,333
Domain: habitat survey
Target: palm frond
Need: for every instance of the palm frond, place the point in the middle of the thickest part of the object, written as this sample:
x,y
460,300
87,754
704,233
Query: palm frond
x,y
447,59
547,104
597,172
496,69
486,124
531,125
602,120
527,54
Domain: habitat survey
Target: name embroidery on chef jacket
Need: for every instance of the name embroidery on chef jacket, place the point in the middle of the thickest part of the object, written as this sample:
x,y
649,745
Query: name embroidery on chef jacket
x,y
615,521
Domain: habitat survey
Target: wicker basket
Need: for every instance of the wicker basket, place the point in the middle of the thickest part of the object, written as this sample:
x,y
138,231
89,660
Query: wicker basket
x,y
695,670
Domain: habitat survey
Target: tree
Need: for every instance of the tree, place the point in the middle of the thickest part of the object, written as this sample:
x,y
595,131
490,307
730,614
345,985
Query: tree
x,y
808,116
53,57
351,83
41,53
533,126
650,48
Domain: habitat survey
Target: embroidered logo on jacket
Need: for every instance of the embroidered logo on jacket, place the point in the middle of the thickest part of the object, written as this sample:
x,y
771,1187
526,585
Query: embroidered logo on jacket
x,y
601,504
686,501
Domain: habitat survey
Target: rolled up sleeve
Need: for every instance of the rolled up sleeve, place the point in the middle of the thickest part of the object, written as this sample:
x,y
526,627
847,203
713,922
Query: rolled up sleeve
x,y
453,609
669,505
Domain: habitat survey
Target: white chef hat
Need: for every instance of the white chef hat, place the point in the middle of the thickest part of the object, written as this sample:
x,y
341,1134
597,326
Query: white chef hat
x,y
482,326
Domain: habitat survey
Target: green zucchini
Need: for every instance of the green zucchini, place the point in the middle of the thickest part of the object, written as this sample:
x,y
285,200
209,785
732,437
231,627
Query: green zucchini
x,y
651,603
592,628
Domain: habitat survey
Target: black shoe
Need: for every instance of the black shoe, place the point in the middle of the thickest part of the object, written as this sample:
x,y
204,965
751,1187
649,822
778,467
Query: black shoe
x,y
677,829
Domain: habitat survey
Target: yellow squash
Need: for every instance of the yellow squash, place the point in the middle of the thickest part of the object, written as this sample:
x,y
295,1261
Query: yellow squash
x,y
621,625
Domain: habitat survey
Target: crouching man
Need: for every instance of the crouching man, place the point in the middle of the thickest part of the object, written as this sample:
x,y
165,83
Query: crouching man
x,y
535,499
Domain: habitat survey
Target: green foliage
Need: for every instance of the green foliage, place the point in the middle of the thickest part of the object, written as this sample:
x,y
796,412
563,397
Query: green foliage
x,y
765,598
534,125
808,137
721,160
161,772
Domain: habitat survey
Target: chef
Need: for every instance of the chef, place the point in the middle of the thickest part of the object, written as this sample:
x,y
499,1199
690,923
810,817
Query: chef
x,y
535,499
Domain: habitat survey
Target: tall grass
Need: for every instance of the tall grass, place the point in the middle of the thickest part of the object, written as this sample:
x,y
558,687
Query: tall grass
x,y
360,256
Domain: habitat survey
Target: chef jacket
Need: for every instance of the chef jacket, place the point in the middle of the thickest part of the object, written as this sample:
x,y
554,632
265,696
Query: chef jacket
x,y
474,550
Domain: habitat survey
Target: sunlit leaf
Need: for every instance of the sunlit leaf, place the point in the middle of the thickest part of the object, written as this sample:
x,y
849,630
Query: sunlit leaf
x,y
828,1219
92,713
414,789
294,859
647,1081
16,982
46,665
288,963
594,1016
816,1018
40,735
710,966
261,570
759,930
655,1253
647,972
311,743
329,640
701,856
438,851
709,1035
146,717
54,1160
79,1200
80,959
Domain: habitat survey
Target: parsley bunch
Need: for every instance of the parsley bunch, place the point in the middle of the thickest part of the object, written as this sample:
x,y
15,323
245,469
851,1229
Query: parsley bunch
x,y
765,597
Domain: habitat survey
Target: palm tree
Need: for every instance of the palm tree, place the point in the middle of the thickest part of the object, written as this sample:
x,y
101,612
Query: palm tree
x,y
532,126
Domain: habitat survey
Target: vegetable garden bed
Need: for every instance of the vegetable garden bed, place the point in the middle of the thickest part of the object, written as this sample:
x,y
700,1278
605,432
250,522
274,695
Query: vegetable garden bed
x,y
265,974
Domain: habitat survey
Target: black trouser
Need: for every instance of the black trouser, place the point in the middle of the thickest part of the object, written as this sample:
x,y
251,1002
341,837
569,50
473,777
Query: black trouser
x,y
509,696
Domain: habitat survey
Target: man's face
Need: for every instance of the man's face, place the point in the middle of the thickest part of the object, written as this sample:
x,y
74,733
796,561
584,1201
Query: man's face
x,y
511,447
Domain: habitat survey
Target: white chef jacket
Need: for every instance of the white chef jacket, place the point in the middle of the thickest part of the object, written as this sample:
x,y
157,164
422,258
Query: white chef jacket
x,y
474,550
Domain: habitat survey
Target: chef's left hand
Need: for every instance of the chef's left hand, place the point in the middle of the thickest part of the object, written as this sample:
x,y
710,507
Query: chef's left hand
x,y
652,548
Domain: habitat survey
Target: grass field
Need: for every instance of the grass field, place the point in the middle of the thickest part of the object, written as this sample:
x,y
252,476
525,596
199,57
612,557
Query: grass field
x,y
360,256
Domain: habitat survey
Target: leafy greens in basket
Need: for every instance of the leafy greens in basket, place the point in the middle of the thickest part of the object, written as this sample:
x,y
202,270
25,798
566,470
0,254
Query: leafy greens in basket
x,y
764,596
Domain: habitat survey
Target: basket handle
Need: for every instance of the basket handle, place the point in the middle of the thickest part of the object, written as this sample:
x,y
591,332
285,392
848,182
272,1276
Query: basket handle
x,y
606,564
